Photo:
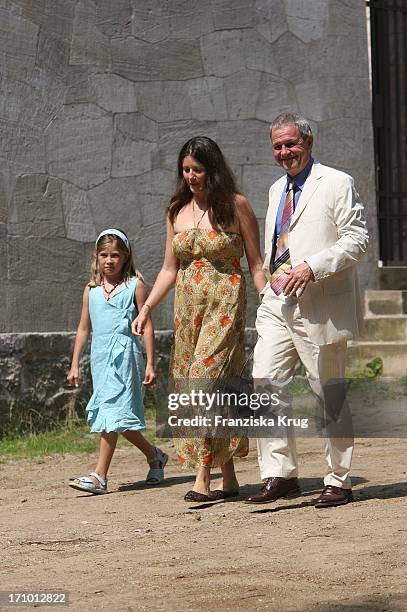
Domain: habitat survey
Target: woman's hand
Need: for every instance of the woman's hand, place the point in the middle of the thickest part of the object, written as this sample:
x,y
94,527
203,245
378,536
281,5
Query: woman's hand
x,y
73,376
149,376
139,323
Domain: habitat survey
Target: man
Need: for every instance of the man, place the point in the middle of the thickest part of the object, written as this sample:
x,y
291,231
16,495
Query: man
x,y
315,235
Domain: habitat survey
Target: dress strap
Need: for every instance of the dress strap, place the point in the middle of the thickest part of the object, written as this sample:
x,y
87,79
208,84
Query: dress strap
x,y
133,284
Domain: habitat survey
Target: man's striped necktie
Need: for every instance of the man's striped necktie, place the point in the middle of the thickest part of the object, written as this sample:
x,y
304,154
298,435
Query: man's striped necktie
x,y
282,262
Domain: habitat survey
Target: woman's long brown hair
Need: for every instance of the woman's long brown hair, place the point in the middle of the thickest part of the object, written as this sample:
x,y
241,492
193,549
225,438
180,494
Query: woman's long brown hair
x,y
220,182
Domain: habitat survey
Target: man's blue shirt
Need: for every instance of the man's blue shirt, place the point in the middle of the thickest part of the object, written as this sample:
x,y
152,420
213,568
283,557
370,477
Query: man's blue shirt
x,y
298,181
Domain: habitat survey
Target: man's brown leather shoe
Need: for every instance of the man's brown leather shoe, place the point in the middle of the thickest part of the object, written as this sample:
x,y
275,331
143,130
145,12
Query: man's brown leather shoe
x,y
273,489
334,496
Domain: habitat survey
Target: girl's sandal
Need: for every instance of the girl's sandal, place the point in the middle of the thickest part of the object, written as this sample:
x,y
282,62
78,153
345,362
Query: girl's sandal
x,y
85,483
156,475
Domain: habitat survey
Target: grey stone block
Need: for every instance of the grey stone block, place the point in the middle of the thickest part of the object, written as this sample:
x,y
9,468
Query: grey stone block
x,y
252,301
190,19
173,134
334,137
79,87
142,61
385,302
275,96
53,53
7,183
89,45
131,157
394,355
207,99
232,14
34,394
165,100
346,19
23,149
31,104
391,328
149,244
242,91
322,99
393,278
149,247
256,184
259,53
79,224
271,19
244,142
151,20
154,21
305,21
136,126
3,252
115,204
237,170
79,145
73,261
262,226
152,193
294,59
163,317
18,40
53,306
36,208
55,16
113,93
114,20
3,204
333,57
223,52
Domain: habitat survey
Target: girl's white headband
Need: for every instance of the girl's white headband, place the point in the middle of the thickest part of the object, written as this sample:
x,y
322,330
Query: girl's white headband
x,y
115,232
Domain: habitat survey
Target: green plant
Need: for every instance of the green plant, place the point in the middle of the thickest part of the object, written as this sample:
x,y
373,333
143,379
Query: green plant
x,y
58,441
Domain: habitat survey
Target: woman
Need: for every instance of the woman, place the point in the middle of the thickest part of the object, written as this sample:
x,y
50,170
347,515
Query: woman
x,y
209,226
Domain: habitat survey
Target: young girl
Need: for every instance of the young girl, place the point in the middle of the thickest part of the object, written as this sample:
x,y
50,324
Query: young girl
x,y
114,294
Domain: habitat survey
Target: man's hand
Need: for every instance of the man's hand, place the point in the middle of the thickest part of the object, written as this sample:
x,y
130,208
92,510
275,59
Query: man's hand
x,y
298,279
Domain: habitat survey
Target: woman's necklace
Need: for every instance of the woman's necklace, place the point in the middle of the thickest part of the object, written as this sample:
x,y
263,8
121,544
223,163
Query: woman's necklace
x,y
108,292
193,214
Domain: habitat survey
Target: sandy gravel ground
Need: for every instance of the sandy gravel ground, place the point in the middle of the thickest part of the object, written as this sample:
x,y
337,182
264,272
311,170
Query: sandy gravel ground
x,y
146,549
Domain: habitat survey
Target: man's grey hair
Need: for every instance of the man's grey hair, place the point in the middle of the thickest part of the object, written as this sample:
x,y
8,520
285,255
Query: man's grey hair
x,y
292,118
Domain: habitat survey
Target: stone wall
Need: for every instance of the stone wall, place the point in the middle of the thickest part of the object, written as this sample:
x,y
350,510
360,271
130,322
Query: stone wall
x,y
96,99
34,394
98,96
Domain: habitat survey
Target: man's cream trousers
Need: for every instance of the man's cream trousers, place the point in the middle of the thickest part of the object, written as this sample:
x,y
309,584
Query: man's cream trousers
x,y
282,344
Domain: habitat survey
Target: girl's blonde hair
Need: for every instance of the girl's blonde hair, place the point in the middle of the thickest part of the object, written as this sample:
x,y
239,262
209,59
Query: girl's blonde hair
x,y
129,270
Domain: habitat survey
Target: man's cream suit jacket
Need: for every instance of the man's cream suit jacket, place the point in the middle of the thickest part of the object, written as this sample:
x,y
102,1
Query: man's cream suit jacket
x,y
328,231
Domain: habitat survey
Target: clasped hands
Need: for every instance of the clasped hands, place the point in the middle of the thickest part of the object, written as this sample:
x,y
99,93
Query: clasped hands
x,y
294,286
298,279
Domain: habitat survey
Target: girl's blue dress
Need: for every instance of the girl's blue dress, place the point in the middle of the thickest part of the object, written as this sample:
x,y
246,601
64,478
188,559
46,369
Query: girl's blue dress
x,y
117,363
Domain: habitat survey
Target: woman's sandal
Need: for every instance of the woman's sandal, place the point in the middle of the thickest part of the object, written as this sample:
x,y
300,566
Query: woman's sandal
x,y
86,484
217,494
156,475
200,498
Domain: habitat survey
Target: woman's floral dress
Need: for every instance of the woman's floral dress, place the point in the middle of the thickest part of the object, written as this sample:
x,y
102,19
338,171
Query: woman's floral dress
x,y
209,322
